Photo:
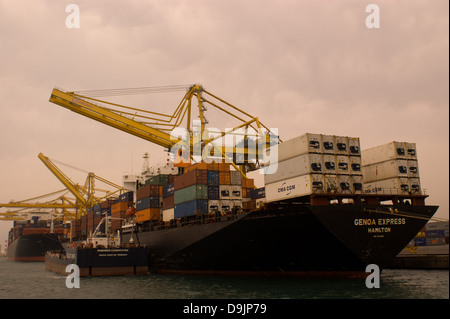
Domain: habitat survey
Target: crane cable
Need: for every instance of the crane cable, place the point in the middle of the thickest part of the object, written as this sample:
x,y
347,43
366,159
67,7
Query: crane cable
x,y
132,91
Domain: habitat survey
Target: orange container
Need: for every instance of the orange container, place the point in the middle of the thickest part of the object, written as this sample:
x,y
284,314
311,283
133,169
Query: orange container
x,y
148,214
201,165
224,178
224,167
248,183
119,207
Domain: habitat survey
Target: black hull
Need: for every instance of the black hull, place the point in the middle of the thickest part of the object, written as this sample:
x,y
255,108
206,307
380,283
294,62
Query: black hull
x,y
33,247
291,239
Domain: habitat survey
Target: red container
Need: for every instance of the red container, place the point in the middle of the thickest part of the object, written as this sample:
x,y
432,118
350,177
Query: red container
x,y
168,202
148,191
198,176
224,178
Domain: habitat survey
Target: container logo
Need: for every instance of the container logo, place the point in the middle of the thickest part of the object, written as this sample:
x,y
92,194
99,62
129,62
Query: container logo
x,y
286,188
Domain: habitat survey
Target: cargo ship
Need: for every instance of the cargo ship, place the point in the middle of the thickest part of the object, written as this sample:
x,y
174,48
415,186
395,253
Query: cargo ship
x,y
29,240
317,213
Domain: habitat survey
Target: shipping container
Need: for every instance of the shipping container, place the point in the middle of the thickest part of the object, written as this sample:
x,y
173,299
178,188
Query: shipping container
x,y
343,164
345,184
355,165
224,167
295,187
248,182
226,205
168,202
411,151
236,192
420,241
297,166
214,166
329,164
435,233
193,177
213,178
148,202
148,214
148,191
258,193
224,192
414,185
249,205
413,168
438,241
235,178
354,147
213,192
330,183
224,178
300,145
168,190
436,226
341,143
328,145
168,214
192,208
357,184
160,179
190,193
213,206
392,186
385,170
126,197
120,207
385,152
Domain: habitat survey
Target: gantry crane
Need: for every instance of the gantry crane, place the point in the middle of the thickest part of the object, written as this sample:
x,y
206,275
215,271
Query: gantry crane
x,y
85,195
158,127
63,207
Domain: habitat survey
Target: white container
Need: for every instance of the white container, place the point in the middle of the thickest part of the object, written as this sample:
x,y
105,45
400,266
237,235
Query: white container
x,y
224,192
343,164
226,205
354,147
329,164
385,170
385,152
330,183
328,144
236,204
303,144
345,184
414,185
236,192
411,150
168,214
297,166
294,187
413,168
341,145
355,165
356,184
392,186
213,206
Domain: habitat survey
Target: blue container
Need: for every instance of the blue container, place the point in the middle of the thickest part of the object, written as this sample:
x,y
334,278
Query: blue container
x,y
420,241
126,197
435,233
168,190
148,202
258,193
213,192
192,208
213,178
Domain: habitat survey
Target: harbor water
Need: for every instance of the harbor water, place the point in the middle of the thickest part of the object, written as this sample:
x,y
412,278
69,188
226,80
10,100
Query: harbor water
x,y
20,280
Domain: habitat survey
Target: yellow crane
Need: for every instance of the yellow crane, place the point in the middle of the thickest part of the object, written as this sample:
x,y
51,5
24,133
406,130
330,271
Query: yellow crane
x,y
85,195
62,206
159,128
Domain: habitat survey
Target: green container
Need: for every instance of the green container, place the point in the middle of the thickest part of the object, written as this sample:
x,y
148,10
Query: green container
x,y
191,193
161,179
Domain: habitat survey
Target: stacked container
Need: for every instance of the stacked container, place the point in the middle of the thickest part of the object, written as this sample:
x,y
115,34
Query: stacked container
x,y
149,198
314,163
391,168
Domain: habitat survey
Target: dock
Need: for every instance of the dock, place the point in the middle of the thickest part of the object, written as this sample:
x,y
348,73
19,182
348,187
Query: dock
x,y
434,257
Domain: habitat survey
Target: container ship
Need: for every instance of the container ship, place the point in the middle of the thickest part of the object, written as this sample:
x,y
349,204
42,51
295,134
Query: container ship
x,y
29,240
326,208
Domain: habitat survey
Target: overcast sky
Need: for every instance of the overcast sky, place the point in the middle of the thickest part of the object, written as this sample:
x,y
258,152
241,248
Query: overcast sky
x,y
299,66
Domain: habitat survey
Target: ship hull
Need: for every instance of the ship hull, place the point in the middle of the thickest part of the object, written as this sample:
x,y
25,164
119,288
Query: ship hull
x,y
296,239
33,247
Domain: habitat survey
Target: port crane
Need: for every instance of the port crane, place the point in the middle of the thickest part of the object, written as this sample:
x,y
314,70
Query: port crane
x,y
85,195
60,207
159,128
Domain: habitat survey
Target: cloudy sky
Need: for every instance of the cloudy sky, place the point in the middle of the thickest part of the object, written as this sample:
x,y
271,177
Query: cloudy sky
x,y
299,66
